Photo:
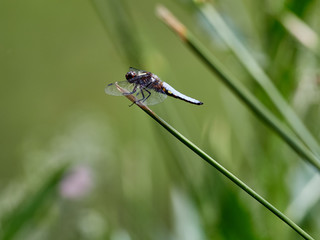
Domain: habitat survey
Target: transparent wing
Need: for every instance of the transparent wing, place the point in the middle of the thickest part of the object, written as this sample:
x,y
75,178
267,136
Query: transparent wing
x,y
149,96
137,71
145,95
112,89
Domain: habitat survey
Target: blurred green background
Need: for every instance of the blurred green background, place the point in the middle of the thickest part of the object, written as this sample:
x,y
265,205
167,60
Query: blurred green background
x,y
127,178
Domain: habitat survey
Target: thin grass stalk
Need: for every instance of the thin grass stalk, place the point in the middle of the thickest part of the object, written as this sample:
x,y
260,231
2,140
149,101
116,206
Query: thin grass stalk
x,y
238,88
118,23
29,208
300,31
215,164
248,61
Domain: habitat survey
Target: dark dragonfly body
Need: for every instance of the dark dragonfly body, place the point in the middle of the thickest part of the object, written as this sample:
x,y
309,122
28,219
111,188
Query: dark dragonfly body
x,y
148,88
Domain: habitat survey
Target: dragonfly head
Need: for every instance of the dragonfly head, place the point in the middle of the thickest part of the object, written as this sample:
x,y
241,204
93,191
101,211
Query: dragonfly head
x,y
130,75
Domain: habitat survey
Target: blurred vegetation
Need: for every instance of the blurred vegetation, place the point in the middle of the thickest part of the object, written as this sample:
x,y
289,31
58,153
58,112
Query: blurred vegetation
x,y
127,178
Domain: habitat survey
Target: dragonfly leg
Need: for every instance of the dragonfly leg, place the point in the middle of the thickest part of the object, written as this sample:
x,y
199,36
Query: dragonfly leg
x,y
133,91
147,96
141,91
143,99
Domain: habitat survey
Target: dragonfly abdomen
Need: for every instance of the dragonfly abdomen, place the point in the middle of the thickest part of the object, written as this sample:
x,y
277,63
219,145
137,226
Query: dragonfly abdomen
x,y
176,94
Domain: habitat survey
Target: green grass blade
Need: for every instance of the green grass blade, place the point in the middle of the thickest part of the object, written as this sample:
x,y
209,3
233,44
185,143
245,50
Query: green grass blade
x,y
217,165
21,216
239,89
248,61
120,26
300,31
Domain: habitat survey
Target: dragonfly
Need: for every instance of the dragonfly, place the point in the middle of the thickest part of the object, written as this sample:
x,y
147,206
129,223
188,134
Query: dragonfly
x,y
147,88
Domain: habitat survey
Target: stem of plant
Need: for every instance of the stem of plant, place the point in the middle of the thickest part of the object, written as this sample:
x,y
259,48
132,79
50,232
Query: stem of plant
x,y
251,65
235,85
216,165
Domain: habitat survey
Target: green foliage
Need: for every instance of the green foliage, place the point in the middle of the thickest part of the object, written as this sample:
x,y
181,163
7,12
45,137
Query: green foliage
x,y
128,178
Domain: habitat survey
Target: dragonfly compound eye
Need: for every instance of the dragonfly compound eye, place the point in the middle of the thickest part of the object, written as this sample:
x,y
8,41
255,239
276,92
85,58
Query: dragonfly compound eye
x,y
130,75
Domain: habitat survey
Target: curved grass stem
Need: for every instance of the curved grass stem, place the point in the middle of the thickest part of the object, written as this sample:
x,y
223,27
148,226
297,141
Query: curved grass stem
x,y
251,65
216,165
238,88
300,31
31,205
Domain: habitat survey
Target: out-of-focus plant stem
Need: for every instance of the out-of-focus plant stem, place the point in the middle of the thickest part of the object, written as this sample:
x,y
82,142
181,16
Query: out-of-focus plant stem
x,y
238,88
27,210
215,164
300,31
118,23
308,38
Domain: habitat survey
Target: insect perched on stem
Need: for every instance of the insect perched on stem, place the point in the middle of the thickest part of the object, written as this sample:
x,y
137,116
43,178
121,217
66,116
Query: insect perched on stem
x,y
147,88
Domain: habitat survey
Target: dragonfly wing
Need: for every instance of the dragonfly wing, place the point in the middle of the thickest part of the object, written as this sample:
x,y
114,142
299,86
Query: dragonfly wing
x,y
112,89
147,96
